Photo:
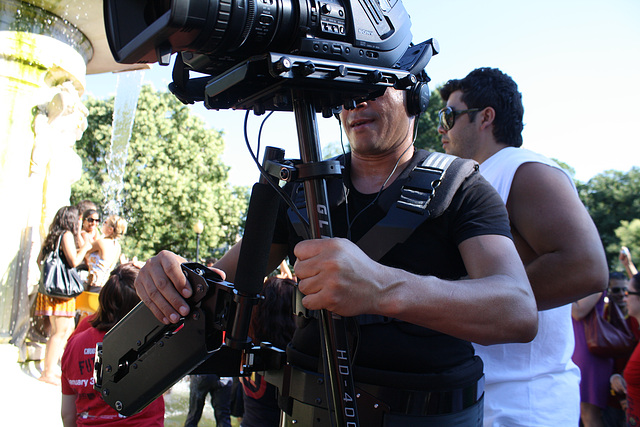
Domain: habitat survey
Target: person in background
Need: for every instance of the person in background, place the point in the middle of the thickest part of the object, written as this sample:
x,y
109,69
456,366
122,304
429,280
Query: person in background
x,y
85,205
81,404
66,227
90,222
614,413
89,233
272,321
105,252
629,382
533,384
202,385
595,370
219,388
625,259
285,271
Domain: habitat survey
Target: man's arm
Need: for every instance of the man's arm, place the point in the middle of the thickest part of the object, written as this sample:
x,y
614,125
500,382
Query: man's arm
x,y
494,305
555,237
163,287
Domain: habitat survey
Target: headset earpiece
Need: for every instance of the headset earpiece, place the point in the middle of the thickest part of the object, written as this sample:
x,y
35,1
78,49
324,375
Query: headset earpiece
x,y
418,99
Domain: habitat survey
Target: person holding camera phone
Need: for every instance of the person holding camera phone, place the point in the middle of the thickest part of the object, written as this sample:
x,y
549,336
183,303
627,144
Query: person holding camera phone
x,y
534,384
457,279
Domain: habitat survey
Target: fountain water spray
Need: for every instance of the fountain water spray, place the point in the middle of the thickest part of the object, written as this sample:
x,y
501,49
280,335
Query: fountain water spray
x,y
126,100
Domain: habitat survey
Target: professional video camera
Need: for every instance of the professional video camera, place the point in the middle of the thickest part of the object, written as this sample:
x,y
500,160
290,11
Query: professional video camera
x,y
305,56
340,42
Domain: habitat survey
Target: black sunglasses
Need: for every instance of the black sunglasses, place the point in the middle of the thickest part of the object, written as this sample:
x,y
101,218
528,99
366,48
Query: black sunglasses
x,y
91,220
447,116
617,290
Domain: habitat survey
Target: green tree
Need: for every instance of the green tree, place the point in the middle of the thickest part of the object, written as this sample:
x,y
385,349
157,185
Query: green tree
x,y
629,235
174,176
428,136
612,197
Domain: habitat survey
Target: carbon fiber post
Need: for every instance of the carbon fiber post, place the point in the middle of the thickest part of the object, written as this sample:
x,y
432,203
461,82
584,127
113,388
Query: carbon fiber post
x,y
336,357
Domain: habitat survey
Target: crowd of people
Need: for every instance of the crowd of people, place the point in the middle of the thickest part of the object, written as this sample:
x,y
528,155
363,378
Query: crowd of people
x,y
605,399
484,301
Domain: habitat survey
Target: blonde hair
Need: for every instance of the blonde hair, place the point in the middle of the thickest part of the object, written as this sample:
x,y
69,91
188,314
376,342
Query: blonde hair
x,y
118,224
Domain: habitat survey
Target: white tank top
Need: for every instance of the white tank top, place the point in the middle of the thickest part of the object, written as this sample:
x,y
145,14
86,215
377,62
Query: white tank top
x,y
535,383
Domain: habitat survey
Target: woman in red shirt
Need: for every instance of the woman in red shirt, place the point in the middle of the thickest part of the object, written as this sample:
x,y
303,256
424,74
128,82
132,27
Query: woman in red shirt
x,y
81,404
629,382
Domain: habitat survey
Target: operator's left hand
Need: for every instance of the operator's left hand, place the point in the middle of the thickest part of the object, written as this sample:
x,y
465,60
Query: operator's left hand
x,y
336,275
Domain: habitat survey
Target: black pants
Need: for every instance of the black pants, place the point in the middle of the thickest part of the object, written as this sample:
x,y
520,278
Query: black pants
x,y
220,391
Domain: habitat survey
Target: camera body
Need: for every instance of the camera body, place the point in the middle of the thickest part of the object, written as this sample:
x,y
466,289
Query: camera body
x,y
215,35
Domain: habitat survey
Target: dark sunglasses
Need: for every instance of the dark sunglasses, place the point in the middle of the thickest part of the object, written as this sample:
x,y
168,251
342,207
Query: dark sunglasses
x,y
617,290
447,116
92,220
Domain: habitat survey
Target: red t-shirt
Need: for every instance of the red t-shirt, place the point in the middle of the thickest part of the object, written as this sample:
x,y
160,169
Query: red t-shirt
x,y
632,377
83,325
77,379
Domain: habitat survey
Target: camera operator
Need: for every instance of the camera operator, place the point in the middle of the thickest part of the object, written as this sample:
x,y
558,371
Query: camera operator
x,y
457,279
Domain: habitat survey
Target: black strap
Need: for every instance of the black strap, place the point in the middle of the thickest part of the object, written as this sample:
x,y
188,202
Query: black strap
x,y
427,193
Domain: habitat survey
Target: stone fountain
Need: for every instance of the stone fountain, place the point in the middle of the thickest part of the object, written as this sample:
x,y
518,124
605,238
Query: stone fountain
x,y
47,47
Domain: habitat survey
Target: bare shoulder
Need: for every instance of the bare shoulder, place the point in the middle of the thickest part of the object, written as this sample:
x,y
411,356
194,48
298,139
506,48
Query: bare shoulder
x,y
545,210
543,188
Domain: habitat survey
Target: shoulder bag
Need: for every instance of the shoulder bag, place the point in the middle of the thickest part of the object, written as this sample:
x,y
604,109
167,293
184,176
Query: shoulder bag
x,y
59,280
608,339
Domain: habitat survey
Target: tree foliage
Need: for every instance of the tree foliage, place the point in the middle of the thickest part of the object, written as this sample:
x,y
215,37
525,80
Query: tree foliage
x,y
611,198
174,177
428,136
629,235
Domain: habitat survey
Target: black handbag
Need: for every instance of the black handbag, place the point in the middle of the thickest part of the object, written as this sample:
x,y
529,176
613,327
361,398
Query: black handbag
x,y
59,280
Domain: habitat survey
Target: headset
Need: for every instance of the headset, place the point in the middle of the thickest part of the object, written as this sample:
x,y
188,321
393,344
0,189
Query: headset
x,y
417,97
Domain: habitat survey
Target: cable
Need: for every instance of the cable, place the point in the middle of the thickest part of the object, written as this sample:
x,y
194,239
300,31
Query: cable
x,y
375,199
285,197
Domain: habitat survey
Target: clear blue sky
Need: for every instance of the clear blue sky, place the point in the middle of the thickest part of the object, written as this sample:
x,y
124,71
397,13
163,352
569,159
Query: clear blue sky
x,y
577,64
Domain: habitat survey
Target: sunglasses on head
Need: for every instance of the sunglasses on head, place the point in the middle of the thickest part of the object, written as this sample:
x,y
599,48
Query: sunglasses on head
x,y
447,116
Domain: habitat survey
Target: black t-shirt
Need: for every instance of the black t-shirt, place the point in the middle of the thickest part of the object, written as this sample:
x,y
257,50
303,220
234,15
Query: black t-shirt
x,y
388,344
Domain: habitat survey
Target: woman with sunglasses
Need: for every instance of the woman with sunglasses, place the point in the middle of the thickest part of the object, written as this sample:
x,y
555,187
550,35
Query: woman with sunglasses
x,y
629,382
105,252
90,222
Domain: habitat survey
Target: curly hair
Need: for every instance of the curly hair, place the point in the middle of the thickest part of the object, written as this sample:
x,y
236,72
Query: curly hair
x,y
490,87
117,297
66,219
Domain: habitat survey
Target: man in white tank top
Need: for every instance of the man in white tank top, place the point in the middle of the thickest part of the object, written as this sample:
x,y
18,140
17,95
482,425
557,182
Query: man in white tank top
x,y
533,384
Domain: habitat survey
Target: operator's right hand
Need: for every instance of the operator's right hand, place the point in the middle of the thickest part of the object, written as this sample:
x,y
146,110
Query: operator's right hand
x,y
163,287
